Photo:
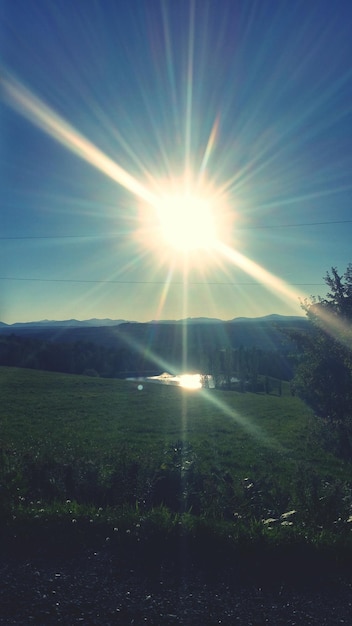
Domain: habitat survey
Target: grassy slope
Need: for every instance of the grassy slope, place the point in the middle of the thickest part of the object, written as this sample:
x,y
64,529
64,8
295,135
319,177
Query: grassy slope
x,y
65,416
245,457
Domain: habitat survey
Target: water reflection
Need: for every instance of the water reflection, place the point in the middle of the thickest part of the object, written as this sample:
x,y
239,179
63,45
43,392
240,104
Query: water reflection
x,y
191,381
187,381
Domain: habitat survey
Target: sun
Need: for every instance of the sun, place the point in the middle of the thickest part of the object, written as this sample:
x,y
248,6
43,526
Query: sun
x,y
187,222
185,219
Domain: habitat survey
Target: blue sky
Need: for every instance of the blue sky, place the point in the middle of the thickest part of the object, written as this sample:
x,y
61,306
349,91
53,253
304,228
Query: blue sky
x,y
104,102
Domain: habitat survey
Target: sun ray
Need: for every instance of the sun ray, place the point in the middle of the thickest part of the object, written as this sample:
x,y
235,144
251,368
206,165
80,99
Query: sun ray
x,y
245,422
338,328
114,132
142,349
185,315
169,59
209,147
44,117
300,198
278,286
164,294
189,88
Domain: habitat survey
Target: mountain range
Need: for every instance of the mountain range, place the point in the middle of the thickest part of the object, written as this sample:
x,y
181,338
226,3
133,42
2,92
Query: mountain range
x,y
95,323
117,347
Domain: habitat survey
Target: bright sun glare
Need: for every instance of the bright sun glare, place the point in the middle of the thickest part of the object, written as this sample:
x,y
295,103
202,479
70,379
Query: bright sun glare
x,y
190,381
187,222
185,218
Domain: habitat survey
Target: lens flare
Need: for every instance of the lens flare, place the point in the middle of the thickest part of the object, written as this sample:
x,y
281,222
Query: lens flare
x,y
272,282
40,114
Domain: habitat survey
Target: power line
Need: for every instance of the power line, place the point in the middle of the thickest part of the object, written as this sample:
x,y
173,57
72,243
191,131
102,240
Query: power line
x,y
112,235
149,282
299,224
102,236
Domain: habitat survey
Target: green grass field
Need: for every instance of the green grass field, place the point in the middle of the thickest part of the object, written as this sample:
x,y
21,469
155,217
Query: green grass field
x,y
75,447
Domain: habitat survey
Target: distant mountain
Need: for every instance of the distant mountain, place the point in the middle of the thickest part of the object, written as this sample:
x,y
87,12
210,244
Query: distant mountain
x,y
94,322
135,347
64,323
202,320
274,317
189,320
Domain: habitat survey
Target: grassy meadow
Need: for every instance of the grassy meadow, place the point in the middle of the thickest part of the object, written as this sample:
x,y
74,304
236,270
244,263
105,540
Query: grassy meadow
x,y
88,453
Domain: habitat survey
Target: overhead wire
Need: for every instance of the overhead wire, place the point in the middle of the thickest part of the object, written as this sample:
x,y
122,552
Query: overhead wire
x,y
147,282
112,235
156,282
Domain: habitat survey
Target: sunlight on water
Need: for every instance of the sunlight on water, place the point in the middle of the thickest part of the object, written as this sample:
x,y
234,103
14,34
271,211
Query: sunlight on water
x,y
187,381
191,381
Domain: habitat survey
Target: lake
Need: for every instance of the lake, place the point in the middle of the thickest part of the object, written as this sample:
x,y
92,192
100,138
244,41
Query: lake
x,y
187,381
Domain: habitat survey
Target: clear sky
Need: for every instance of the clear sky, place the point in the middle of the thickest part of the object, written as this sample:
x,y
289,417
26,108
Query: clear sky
x,y
115,113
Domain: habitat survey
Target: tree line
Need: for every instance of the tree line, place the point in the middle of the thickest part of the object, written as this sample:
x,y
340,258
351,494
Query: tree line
x,y
232,368
323,376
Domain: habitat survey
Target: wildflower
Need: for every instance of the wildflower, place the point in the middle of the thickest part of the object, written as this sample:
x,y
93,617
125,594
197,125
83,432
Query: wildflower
x,y
287,515
270,520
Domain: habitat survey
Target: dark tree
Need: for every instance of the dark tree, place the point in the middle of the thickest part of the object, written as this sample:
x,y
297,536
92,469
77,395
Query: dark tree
x,y
324,373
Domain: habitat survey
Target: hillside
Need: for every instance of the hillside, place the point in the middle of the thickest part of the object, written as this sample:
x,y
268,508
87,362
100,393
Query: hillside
x,y
65,418
169,346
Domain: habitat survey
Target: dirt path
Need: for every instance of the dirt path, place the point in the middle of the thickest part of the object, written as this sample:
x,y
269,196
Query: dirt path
x,y
99,588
